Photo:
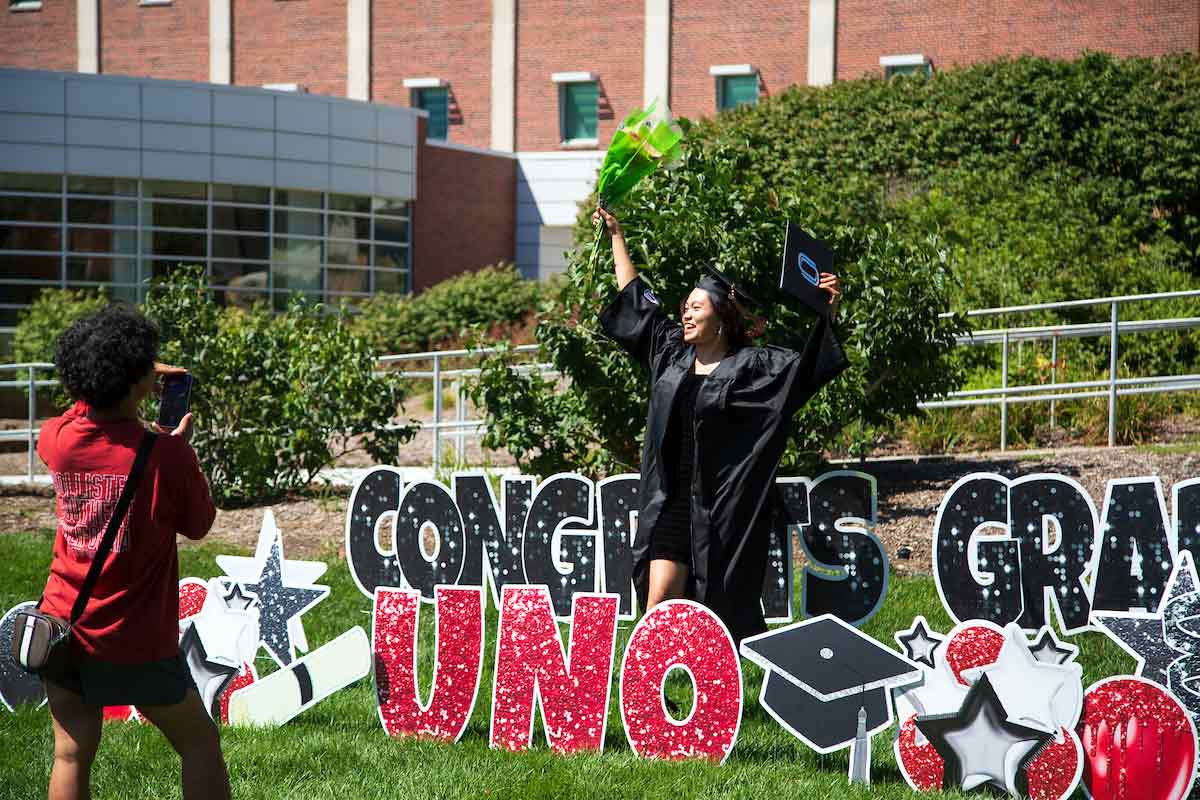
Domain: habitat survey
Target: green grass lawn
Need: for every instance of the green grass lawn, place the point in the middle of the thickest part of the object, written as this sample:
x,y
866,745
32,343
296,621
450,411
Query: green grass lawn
x,y
339,749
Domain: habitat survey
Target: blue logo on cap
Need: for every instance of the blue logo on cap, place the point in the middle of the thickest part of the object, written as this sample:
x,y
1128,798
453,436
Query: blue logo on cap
x,y
808,268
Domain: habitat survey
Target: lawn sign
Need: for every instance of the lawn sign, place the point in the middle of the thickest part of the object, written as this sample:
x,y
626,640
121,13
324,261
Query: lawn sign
x,y
994,705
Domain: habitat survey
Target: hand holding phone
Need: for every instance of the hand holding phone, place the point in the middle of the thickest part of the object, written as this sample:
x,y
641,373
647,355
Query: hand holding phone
x,y
176,396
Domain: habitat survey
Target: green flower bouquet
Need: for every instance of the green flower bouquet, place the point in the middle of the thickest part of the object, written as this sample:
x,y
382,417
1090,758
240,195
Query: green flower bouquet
x,y
646,139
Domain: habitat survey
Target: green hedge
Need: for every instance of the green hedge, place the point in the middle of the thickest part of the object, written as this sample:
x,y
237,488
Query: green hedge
x,y
494,301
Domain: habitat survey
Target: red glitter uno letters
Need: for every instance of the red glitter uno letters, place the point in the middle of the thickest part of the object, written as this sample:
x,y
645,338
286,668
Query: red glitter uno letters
x,y
456,671
532,667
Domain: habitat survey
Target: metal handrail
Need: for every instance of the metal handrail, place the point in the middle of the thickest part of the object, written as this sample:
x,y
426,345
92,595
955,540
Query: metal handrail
x,y
1093,301
31,385
1053,392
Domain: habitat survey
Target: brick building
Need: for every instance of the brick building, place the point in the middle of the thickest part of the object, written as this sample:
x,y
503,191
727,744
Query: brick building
x,y
518,97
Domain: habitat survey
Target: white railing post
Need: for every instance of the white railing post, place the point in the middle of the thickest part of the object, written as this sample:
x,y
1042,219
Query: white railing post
x,y
460,416
437,413
1053,373
1112,378
32,415
1004,397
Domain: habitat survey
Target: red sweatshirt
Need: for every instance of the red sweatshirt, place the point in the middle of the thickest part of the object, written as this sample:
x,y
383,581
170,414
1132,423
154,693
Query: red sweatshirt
x,y
133,611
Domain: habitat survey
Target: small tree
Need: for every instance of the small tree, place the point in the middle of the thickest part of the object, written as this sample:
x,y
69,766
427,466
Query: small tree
x,y
277,397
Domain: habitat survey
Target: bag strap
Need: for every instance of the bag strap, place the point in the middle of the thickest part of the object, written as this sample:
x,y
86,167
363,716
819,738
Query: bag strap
x,y
114,524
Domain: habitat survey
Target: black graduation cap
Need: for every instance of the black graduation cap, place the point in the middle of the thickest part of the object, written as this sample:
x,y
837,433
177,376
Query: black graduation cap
x,y
714,280
804,259
820,672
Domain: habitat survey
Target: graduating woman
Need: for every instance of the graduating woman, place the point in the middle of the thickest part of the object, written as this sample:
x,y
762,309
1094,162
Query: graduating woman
x,y
715,431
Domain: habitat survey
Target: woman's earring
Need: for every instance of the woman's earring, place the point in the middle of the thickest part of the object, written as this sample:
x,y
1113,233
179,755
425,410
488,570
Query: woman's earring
x,y
720,330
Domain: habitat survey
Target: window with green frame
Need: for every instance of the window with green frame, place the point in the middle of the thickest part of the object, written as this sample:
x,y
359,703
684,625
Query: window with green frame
x,y
436,101
578,110
736,90
907,69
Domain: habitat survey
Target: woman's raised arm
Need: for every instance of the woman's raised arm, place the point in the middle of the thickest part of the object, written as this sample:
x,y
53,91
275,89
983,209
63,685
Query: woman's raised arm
x,y
622,265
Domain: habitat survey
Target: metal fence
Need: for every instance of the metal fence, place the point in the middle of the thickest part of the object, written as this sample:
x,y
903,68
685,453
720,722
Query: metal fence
x,y
28,380
1053,392
460,427
29,377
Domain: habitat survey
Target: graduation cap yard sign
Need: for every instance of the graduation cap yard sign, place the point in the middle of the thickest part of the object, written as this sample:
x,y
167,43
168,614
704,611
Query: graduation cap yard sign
x,y
821,673
804,259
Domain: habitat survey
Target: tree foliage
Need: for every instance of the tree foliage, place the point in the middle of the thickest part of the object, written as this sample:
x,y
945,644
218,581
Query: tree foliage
x,y
494,300
1019,181
277,397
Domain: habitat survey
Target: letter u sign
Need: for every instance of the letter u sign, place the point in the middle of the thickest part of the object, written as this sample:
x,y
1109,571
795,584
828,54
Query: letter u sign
x,y
808,269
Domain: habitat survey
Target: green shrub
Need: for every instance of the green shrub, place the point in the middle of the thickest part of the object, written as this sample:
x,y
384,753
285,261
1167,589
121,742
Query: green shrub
x,y
51,313
1014,182
708,208
495,301
40,325
277,397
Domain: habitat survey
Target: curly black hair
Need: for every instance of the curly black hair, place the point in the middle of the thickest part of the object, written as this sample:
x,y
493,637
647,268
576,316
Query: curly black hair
x,y
101,356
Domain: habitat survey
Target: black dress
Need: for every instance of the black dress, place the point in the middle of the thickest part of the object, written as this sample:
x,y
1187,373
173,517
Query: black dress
x,y
672,536
743,409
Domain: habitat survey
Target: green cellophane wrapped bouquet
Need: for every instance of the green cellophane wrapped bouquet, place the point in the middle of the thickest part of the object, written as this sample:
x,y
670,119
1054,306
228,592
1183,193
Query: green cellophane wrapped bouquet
x,y
646,139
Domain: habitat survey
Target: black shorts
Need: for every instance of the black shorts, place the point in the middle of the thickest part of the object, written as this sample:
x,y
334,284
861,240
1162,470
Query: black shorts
x,y
147,683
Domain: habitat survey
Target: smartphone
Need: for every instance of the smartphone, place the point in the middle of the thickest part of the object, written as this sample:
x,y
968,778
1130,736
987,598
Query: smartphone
x,y
176,394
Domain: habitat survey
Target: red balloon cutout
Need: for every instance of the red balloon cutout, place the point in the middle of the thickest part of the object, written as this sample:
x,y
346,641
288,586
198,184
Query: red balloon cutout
x,y
1137,741
192,592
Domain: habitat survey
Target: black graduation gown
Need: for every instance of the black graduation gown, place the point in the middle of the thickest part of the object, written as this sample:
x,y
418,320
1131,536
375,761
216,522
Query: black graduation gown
x,y
742,413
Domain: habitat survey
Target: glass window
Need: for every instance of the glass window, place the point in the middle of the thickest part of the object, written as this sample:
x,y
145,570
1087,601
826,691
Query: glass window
x,y
228,245
298,223
107,186
237,218
348,252
437,102
19,294
102,269
102,240
736,90
347,280
389,208
907,69
175,190
21,182
288,197
391,256
33,268
297,251
31,209
290,278
23,237
258,195
578,102
172,243
238,298
344,226
396,282
102,212
355,203
391,230
174,215
240,276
